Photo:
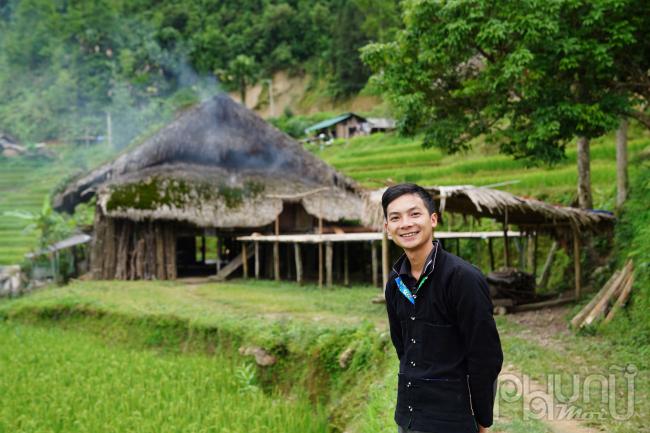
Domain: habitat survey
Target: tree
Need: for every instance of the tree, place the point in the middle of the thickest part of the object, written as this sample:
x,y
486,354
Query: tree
x,y
530,76
242,71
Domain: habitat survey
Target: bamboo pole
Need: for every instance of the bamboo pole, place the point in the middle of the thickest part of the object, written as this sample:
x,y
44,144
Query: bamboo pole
x,y
276,252
580,317
384,259
257,260
296,248
535,250
320,254
620,282
506,248
374,266
622,298
346,265
329,253
244,257
491,251
548,264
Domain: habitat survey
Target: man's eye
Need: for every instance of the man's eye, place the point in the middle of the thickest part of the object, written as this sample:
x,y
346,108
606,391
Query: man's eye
x,y
415,214
394,219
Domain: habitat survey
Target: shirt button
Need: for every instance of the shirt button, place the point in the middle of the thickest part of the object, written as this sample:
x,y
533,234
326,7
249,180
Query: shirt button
x,y
410,409
408,385
413,363
415,296
412,317
413,340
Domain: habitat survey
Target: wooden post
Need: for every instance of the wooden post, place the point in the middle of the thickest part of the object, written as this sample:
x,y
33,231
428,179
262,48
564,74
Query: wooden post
x,y
346,264
535,250
506,247
546,271
218,254
374,267
576,261
320,254
329,253
244,257
296,248
257,260
384,259
491,251
203,249
276,252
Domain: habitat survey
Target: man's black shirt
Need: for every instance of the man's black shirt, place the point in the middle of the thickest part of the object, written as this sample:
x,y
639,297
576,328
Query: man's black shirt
x,y
448,345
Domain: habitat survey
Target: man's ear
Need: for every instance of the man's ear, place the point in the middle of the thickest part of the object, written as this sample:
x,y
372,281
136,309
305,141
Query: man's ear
x,y
434,220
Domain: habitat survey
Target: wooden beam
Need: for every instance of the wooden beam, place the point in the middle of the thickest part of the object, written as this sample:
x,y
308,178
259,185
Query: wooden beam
x,y
296,249
218,254
384,259
346,265
203,249
257,260
582,315
329,253
535,250
231,267
543,304
276,252
244,251
576,262
375,266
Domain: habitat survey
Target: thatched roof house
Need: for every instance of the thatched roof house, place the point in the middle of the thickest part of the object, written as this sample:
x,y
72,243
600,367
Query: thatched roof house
x,y
218,166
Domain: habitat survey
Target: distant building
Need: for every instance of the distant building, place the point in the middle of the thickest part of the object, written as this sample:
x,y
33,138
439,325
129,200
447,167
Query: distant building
x,y
349,125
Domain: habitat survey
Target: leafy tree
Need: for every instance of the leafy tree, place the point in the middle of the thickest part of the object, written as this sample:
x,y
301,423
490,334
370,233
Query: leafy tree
x,y
243,71
530,76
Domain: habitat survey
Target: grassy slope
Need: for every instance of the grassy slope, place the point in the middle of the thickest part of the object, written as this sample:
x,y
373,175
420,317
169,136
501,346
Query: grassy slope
x,y
25,184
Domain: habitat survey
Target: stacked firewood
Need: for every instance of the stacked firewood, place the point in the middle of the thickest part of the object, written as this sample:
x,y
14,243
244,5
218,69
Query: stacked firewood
x,y
609,299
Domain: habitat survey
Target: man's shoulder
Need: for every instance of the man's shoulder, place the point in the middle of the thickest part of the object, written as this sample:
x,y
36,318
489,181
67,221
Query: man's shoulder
x,y
460,269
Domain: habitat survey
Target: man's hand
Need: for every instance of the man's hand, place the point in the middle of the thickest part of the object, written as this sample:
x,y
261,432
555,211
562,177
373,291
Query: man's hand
x,y
482,429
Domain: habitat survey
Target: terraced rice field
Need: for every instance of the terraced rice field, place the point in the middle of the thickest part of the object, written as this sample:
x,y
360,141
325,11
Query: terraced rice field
x,y
375,160
25,184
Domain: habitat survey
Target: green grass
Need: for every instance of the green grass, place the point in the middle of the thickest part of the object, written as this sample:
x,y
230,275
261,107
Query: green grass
x,y
55,380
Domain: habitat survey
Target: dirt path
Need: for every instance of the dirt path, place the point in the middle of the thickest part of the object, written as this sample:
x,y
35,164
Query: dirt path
x,y
545,327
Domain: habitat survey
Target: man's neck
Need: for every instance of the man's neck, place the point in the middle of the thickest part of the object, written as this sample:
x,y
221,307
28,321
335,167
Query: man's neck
x,y
417,258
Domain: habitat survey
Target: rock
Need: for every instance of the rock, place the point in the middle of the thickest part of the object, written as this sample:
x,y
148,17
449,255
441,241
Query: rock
x,y
11,281
262,357
345,357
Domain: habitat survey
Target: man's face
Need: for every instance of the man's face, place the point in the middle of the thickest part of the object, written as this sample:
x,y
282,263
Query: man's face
x,y
409,223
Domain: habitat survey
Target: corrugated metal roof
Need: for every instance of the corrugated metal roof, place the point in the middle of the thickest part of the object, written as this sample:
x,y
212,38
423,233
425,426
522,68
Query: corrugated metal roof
x,y
333,121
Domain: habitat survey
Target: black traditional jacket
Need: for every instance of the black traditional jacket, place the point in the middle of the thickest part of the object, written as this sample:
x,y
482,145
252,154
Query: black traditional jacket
x,y
447,343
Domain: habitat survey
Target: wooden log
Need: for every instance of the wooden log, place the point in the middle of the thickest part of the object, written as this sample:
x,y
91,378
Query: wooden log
x,y
582,314
622,298
384,260
614,289
346,265
576,263
541,305
244,251
231,267
257,260
535,249
296,249
276,252
203,249
374,265
548,264
218,255
170,251
329,253
97,247
111,244
122,257
140,259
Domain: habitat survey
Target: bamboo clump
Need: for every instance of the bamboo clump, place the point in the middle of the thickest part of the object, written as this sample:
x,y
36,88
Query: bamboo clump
x,y
611,298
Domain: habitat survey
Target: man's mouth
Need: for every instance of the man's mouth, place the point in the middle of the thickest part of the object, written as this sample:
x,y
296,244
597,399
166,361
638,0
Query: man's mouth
x,y
409,235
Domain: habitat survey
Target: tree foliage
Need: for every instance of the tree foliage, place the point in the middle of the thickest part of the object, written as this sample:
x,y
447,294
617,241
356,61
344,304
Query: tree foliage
x,y
64,64
528,75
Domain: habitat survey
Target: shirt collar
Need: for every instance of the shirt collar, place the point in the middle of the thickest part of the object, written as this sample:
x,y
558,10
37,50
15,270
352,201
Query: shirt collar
x,y
403,267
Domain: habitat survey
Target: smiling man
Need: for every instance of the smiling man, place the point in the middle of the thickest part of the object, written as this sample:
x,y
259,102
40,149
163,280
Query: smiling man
x,y
441,324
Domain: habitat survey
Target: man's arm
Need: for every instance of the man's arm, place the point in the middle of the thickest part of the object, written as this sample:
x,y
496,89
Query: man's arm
x,y
481,340
393,321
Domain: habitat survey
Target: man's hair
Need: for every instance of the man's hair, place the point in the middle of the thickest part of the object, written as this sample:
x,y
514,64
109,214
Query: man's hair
x,y
401,189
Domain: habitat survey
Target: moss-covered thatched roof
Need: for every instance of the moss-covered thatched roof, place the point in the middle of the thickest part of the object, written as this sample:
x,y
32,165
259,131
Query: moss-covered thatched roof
x,y
218,164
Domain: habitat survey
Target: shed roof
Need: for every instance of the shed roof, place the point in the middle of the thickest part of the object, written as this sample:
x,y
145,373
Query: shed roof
x,y
483,202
